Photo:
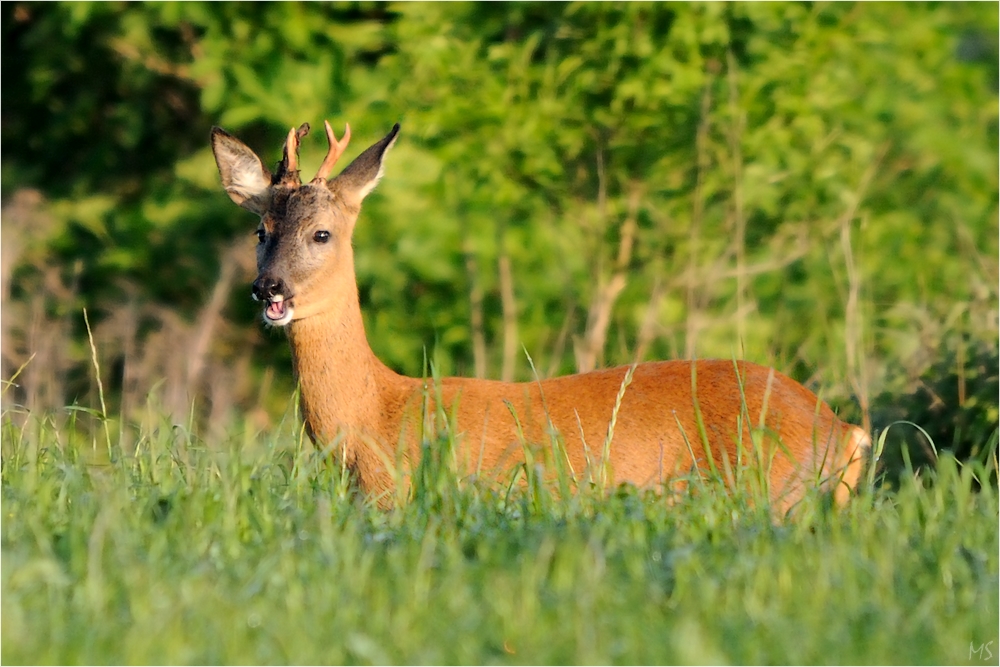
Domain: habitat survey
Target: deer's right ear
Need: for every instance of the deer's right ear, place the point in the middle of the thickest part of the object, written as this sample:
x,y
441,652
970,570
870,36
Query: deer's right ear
x,y
244,176
362,175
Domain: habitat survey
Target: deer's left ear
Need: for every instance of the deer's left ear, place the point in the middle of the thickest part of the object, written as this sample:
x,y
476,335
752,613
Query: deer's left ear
x,y
362,175
244,176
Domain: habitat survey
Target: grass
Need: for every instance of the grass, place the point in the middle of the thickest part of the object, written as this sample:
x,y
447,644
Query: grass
x,y
252,550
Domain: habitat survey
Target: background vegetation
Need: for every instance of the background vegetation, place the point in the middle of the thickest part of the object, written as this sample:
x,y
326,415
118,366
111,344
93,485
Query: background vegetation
x,y
811,186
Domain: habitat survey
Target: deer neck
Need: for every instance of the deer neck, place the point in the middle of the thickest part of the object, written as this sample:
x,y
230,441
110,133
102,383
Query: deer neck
x,y
343,384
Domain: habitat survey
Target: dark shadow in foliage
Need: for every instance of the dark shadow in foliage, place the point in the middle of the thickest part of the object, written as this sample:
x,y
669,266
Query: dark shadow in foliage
x,y
954,402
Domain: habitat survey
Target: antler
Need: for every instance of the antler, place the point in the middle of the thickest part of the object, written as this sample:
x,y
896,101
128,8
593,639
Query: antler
x,y
336,150
288,168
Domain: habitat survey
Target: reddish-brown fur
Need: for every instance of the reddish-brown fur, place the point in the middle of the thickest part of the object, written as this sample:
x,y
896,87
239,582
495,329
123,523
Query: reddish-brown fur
x,y
674,416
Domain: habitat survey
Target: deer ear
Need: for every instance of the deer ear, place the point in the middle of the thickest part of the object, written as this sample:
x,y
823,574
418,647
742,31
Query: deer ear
x,y
362,175
244,176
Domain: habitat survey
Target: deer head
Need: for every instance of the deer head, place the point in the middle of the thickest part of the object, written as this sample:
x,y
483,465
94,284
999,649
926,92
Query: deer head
x,y
304,253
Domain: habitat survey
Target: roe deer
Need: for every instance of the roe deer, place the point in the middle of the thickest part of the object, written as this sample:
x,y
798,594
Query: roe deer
x,y
672,417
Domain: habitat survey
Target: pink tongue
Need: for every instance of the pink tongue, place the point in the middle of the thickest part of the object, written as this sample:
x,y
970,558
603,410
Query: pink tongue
x,y
276,310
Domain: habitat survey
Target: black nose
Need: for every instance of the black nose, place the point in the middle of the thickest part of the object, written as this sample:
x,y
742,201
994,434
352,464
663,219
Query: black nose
x,y
266,287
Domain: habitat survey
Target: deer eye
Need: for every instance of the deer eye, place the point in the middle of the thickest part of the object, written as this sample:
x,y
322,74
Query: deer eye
x,y
261,235
321,236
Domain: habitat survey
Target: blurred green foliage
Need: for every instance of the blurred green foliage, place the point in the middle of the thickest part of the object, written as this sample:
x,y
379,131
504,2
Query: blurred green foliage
x,y
810,185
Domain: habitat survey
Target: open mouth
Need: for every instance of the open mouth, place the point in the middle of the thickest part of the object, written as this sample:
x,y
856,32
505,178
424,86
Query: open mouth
x,y
278,311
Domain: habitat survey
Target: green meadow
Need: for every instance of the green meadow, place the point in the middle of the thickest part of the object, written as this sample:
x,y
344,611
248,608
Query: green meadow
x,y
254,550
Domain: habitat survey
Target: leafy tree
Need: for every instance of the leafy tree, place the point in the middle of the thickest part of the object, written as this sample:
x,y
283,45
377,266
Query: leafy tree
x,y
808,185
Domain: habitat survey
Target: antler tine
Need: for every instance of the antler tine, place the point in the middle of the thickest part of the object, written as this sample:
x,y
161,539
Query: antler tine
x,y
336,150
291,151
290,160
